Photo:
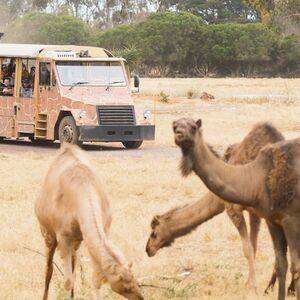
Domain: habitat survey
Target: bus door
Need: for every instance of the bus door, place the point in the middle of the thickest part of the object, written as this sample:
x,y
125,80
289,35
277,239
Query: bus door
x,y
7,98
47,102
25,100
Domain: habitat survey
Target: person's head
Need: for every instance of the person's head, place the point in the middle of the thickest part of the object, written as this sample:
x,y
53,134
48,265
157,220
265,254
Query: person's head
x,y
5,69
6,82
26,84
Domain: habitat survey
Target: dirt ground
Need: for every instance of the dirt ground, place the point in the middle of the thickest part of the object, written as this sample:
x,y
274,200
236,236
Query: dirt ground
x,y
208,263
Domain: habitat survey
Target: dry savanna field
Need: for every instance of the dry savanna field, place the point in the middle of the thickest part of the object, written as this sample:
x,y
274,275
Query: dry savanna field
x,y
207,264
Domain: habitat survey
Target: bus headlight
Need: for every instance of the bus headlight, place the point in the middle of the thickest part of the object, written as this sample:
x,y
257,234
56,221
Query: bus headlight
x,y
82,114
147,114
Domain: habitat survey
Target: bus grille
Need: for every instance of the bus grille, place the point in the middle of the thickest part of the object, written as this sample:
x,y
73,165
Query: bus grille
x,y
116,115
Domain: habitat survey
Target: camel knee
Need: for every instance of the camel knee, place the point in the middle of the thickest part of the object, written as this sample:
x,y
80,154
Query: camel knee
x,y
281,268
98,280
69,282
295,272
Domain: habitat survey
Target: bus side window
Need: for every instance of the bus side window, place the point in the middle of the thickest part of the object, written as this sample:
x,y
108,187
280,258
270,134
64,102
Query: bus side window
x,y
44,76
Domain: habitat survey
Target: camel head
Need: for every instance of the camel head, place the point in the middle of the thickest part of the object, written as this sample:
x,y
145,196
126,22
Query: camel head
x,y
160,236
125,284
185,130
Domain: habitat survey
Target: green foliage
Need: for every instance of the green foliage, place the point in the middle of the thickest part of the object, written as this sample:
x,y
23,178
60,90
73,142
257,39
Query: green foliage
x,y
163,97
240,49
166,41
131,54
44,28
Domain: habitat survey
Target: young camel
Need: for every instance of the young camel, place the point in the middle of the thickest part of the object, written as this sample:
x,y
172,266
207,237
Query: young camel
x,y
182,220
269,186
72,207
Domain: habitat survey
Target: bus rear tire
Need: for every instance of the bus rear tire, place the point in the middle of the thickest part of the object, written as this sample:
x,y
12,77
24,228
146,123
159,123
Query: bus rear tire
x,y
68,132
132,144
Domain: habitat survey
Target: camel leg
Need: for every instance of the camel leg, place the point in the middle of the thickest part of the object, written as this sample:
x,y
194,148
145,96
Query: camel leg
x,y
74,259
51,244
254,229
65,248
280,248
98,280
239,222
291,229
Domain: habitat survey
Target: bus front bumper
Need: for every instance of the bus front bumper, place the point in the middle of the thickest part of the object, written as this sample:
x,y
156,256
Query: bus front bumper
x,y
115,133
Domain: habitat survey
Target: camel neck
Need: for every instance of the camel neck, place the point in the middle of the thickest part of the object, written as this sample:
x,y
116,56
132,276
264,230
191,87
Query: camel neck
x,y
188,217
237,184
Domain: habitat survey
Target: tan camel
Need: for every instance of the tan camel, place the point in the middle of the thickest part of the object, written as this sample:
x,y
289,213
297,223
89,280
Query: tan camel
x,y
72,207
269,186
180,221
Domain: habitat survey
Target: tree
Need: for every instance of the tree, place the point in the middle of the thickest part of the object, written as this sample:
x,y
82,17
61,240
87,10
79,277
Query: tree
x,y
214,11
44,28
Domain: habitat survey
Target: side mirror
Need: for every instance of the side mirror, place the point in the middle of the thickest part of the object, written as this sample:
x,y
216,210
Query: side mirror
x,y
136,82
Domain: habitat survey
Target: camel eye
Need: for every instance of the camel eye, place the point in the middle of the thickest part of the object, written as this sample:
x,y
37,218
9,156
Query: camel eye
x,y
194,128
127,290
153,235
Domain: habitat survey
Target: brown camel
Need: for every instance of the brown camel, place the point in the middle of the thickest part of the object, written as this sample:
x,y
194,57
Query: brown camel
x,y
269,186
180,221
72,207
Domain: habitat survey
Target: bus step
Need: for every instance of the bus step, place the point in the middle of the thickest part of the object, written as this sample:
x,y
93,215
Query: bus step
x,y
42,137
25,123
39,128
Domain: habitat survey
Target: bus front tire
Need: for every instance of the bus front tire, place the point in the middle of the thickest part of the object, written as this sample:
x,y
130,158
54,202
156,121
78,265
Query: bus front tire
x,y
132,144
68,131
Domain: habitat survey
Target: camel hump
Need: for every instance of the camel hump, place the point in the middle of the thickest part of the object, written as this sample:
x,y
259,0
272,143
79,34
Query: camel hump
x,y
261,135
282,179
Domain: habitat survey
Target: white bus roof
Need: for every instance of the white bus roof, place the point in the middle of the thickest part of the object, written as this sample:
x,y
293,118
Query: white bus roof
x,y
33,51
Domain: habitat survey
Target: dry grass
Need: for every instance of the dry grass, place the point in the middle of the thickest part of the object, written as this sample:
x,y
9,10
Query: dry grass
x,y
140,187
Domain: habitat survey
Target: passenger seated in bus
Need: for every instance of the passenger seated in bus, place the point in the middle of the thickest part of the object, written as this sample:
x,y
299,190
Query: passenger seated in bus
x,y
11,68
32,75
4,71
12,79
26,89
25,74
7,89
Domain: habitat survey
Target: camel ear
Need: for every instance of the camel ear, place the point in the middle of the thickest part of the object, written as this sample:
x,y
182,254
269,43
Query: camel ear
x,y
199,123
130,264
155,222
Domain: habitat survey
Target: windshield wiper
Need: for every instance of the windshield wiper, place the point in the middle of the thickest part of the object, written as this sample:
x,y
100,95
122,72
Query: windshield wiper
x,y
114,82
77,83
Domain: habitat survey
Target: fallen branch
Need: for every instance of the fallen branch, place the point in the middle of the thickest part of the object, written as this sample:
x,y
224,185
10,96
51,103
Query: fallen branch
x,y
37,252
153,286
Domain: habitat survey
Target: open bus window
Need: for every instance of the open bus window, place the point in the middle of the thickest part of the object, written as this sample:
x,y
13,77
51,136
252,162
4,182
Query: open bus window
x,y
7,77
44,75
91,73
27,79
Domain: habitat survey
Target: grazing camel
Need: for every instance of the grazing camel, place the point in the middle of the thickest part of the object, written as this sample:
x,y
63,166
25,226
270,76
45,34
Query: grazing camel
x,y
72,207
269,186
181,221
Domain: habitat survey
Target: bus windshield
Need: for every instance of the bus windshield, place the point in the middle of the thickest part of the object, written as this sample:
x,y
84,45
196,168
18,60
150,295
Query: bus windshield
x,y
91,73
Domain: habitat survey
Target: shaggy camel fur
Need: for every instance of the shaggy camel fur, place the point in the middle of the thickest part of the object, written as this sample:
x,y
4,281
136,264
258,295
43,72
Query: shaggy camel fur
x,y
180,221
269,186
72,207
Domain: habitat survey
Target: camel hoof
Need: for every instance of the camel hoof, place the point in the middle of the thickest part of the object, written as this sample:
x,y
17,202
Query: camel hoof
x,y
251,288
291,292
268,289
68,285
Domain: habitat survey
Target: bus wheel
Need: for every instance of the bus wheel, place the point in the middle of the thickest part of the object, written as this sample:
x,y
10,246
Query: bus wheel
x,y
68,131
132,144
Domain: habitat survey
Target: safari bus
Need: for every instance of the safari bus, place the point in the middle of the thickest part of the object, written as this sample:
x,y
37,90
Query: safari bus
x,y
73,94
